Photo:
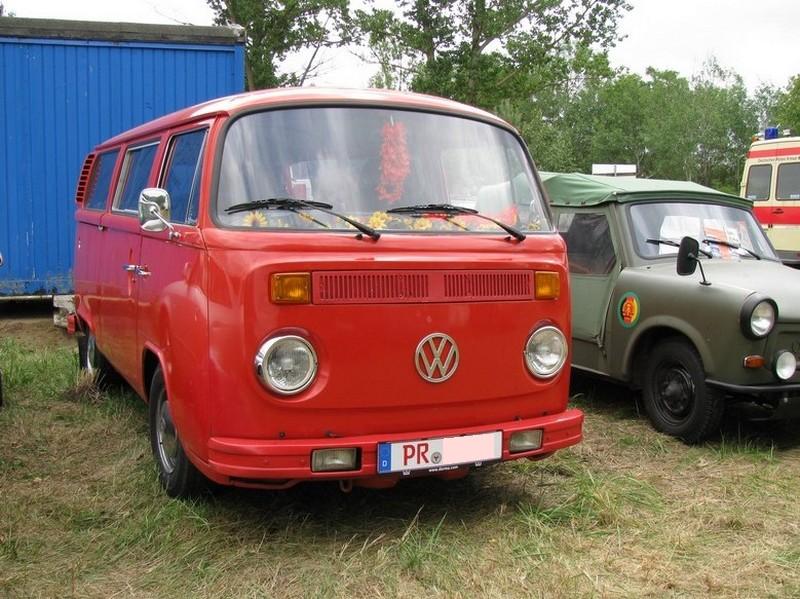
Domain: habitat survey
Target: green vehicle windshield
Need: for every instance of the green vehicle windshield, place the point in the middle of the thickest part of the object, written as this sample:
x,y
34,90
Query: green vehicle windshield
x,y
723,231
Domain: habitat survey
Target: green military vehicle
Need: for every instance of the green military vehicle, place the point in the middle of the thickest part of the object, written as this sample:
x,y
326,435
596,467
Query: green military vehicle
x,y
693,344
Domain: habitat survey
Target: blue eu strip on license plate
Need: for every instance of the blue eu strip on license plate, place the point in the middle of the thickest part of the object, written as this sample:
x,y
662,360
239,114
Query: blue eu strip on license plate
x,y
439,454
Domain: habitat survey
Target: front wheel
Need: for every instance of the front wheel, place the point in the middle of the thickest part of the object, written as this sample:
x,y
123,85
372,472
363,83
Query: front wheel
x,y
675,393
178,476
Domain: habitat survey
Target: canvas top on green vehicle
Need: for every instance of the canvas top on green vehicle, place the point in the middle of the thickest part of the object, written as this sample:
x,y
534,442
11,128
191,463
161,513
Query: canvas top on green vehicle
x,y
576,190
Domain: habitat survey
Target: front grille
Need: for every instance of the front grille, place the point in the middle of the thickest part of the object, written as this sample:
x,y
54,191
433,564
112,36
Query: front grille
x,y
436,286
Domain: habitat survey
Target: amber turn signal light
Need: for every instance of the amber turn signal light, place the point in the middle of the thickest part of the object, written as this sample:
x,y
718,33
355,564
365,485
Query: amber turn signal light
x,y
754,362
291,288
547,284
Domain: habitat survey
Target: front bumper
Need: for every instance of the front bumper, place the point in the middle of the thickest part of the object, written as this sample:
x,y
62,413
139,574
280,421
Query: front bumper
x,y
271,463
774,390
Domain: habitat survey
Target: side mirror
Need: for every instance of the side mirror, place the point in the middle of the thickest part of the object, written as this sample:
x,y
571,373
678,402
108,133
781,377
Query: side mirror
x,y
688,260
154,211
687,256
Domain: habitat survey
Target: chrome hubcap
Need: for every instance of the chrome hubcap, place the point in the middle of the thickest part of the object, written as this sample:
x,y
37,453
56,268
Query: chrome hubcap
x,y
91,354
166,436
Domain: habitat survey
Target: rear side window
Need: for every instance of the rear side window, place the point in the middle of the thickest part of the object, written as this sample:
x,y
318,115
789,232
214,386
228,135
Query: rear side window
x,y
182,179
589,246
134,177
788,182
758,180
100,180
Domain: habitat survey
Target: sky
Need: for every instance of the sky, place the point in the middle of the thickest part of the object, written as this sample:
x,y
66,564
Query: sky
x,y
758,39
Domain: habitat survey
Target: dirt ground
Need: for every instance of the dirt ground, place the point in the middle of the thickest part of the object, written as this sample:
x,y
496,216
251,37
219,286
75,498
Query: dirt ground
x,y
31,322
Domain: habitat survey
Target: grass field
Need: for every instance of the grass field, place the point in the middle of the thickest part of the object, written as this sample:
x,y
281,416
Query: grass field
x,y
627,513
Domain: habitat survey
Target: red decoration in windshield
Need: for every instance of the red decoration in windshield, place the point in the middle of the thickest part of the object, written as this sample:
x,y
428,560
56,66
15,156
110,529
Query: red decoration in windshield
x,y
395,164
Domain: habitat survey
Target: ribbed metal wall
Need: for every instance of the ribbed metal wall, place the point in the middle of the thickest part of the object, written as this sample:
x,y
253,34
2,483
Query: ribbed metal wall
x,y
58,99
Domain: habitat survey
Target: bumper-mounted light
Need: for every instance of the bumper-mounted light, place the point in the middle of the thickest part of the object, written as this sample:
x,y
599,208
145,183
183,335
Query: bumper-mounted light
x,y
334,460
525,441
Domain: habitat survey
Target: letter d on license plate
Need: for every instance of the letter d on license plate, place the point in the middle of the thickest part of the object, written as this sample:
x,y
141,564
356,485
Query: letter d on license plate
x,y
439,454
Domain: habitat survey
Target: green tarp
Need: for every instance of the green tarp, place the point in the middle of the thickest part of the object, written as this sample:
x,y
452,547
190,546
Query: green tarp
x,y
576,189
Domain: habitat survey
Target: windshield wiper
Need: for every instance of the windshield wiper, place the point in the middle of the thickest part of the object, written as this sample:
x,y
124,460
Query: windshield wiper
x,y
668,242
734,246
674,244
295,205
423,209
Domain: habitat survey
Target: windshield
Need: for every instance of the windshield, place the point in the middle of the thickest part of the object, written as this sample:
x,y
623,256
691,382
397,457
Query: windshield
x,y
365,161
718,228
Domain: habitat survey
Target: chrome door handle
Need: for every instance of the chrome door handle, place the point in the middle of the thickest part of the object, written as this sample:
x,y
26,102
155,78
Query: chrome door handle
x,y
130,267
142,271
101,228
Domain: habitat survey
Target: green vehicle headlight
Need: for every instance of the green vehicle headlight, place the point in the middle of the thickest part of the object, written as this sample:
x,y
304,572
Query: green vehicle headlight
x,y
758,317
785,365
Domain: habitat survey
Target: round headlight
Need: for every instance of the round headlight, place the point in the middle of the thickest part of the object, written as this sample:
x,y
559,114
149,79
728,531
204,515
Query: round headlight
x,y
546,352
287,365
785,365
762,319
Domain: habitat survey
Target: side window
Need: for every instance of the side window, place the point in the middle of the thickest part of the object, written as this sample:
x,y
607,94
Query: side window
x,y
100,181
589,246
758,180
134,176
182,178
788,182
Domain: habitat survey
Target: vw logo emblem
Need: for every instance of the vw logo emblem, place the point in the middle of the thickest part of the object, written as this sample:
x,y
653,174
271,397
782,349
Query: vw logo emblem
x,y
436,357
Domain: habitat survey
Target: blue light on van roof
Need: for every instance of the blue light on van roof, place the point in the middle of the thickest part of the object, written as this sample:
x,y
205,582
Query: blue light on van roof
x,y
771,133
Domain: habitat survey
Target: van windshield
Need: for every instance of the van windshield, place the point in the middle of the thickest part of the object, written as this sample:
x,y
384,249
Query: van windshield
x,y
366,161
723,231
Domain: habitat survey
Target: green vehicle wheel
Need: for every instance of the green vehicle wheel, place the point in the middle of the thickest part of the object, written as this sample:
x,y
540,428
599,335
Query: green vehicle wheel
x,y
675,393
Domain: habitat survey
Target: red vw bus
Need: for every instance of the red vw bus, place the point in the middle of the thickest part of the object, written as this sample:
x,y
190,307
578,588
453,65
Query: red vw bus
x,y
309,284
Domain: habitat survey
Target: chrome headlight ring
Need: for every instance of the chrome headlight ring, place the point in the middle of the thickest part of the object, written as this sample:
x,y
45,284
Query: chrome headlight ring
x,y
546,352
286,364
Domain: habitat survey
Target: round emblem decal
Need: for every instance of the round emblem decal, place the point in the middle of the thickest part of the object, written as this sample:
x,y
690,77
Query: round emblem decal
x,y
436,357
628,310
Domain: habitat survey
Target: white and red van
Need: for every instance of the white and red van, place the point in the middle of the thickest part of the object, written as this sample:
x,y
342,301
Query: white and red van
x,y
771,179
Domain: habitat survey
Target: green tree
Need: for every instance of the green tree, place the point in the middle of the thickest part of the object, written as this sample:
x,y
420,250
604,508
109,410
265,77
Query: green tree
x,y
482,52
787,110
723,122
276,30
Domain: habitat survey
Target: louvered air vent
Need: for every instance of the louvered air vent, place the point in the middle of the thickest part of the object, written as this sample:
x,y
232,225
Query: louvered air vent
x,y
435,286
367,287
83,180
485,286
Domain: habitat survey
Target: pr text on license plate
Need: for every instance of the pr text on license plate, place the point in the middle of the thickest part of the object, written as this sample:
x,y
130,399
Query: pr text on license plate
x,y
439,454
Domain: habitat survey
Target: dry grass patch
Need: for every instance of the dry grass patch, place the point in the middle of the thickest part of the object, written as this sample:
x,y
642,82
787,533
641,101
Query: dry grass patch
x,y
627,513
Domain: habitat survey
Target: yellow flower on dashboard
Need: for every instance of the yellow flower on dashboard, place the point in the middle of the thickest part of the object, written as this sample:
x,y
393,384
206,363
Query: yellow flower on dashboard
x,y
378,220
422,224
254,219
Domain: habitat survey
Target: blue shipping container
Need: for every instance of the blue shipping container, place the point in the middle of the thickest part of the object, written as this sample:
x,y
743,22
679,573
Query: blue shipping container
x,y
66,86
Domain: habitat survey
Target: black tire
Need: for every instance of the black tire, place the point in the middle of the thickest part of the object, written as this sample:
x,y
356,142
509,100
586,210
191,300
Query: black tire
x,y
675,393
178,476
92,360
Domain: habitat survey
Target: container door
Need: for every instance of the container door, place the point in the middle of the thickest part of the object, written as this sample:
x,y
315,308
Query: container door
x,y
120,268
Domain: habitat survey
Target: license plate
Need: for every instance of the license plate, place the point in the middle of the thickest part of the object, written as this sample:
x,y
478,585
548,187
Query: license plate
x,y
434,455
